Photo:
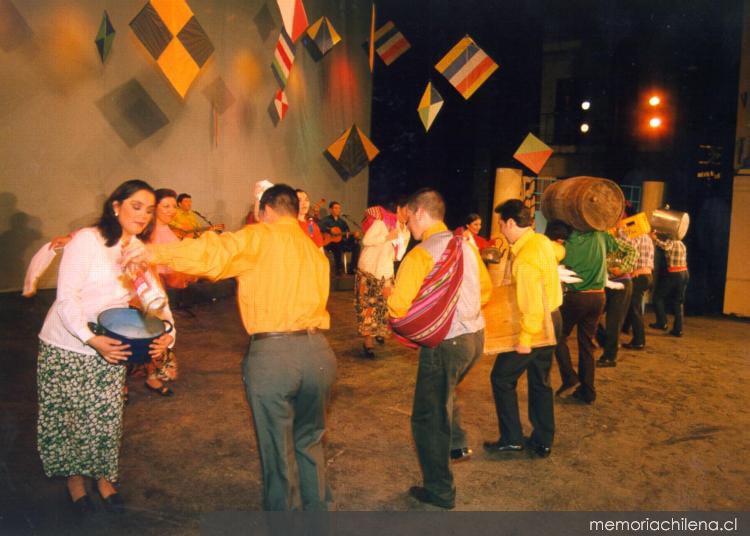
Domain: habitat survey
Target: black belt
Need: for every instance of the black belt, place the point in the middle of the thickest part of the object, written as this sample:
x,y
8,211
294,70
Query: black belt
x,y
275,334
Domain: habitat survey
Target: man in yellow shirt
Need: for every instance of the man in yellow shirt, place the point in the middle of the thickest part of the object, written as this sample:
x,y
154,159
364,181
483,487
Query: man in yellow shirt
x,y
538,290
282,290
435,417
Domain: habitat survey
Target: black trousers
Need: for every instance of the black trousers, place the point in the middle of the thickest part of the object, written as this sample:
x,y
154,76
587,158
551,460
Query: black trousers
x,y
615,309
671,290
641,285
581,310
509,366
338,248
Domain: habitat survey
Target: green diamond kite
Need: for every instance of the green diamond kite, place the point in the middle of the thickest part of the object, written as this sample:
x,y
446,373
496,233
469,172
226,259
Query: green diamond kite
x,y
105,37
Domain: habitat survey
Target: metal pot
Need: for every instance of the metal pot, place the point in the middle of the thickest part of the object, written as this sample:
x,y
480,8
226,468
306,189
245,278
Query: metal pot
x,y
131,327
671,223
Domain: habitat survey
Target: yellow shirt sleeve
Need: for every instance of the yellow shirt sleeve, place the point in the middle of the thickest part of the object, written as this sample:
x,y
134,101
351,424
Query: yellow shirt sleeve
x,y
530,301
414,268
211,255
485,283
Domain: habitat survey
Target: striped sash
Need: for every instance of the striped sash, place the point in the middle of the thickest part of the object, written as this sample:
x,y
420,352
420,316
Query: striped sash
x,y
429,318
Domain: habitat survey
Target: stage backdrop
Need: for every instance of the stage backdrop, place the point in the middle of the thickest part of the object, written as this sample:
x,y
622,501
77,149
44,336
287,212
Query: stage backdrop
x,y
73,127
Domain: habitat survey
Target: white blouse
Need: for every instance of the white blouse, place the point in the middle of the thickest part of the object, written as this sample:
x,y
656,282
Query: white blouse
x,y
90,281
377,254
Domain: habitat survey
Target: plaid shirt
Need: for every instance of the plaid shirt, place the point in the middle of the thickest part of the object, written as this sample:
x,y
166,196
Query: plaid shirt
x,y
675,250
645,247
624,257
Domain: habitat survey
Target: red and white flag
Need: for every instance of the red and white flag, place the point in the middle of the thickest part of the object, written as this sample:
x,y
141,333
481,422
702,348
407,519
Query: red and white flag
x,y
294,17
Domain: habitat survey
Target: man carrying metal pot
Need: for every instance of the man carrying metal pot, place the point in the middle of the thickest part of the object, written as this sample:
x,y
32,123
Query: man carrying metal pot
x,y
673,285
289,366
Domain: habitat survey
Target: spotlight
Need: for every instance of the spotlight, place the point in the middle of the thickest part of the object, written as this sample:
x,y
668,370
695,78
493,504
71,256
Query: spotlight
x,y
654,122
584,127
654,100
585,105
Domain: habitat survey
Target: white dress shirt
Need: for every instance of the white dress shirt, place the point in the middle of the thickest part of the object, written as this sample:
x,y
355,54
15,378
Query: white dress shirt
x,y
90,281
376,257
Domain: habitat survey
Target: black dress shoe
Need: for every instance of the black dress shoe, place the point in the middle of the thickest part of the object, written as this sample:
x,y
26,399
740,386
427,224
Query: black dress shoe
x,y
114,504
161,391
632,346
499,446
662,327
424,496
604,362
538,449
567,389
380,340
368,352
675,333
83,507
462,454
578,395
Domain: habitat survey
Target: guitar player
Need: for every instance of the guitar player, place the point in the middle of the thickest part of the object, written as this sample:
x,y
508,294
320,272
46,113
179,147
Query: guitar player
x,y
341,239
185,224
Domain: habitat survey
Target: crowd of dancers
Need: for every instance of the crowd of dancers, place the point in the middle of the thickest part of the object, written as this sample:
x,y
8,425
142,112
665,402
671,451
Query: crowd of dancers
x,y
430,296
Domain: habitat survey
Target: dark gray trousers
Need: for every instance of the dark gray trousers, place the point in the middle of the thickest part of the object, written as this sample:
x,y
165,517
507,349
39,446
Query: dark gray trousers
x,y
287,383
435,410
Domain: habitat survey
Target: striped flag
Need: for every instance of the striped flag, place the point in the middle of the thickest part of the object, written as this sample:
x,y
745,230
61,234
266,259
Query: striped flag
x,y
283,58
294,16
466,66
390,43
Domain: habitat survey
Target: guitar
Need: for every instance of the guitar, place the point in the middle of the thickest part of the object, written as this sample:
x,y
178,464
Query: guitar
x,y
195,233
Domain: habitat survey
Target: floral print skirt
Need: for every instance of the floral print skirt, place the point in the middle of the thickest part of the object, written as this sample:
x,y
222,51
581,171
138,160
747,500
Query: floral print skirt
x,y
80,413
370,305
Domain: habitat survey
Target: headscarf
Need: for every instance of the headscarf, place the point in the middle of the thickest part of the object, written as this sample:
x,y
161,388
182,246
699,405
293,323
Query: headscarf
x,y
375,213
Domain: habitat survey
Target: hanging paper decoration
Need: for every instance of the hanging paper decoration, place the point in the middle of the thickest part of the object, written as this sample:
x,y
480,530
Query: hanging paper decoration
x,y
533,153
105,37
278,107
390,43
218,95
351,152
283,58
429,106
132,113
320,38
371,47
529,194
174,38
294,17
466,66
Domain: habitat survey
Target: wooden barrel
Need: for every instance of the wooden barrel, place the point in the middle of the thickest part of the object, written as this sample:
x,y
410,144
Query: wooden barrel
x,y
584,203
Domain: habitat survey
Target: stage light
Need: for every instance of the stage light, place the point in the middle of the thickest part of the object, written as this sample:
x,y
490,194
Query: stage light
x,y
654,100
654,122
584,127
585,105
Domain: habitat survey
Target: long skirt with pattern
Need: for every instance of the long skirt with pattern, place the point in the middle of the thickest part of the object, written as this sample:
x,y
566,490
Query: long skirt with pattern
x,y
370,305
80,413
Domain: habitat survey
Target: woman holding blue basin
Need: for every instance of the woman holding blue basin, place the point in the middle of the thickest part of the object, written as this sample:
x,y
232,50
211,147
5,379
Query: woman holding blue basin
x,y
80,374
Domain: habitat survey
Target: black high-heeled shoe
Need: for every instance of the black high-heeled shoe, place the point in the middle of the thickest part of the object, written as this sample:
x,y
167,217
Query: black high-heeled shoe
x,y
82,507
368,352
114,504
161,391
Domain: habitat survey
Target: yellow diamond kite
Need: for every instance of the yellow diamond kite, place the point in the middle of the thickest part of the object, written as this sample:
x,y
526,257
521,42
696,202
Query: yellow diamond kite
x,y
533,153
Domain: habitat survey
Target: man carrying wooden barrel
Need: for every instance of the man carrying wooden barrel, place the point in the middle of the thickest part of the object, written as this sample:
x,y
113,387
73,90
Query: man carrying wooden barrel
x,y
538,292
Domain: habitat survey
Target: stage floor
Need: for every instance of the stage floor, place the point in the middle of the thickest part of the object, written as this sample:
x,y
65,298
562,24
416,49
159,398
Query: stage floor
x,y
668,431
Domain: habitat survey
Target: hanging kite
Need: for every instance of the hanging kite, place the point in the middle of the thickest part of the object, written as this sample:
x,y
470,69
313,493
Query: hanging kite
x,y
429,106
174,38
390,43
105,37
221,99
533,153
320,38
466,66
283,58
371,44
294,17
278,107
351,152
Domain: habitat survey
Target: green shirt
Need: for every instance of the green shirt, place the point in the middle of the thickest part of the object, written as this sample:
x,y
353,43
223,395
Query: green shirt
x,y
585,254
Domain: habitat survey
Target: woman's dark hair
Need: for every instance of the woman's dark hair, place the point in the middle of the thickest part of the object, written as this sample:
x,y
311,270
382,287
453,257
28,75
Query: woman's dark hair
x,y
161,193
183,196
471,218
108,224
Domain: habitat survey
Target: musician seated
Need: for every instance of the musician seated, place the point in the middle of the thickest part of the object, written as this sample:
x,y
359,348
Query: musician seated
x,y
186,223
340,239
